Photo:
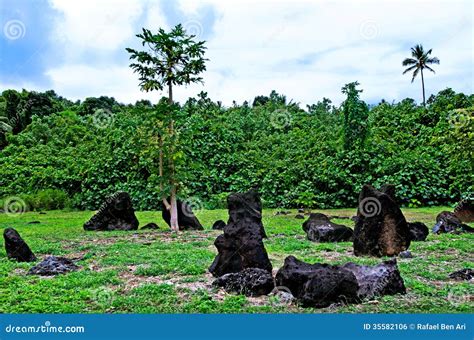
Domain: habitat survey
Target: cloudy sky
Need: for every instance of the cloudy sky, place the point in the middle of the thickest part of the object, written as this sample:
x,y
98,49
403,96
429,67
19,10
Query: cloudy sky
x,y
306,50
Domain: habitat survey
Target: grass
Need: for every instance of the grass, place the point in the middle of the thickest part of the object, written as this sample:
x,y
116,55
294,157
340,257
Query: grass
x,y
156,271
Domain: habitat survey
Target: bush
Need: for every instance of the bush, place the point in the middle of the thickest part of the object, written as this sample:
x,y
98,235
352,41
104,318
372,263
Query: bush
x,y
49,199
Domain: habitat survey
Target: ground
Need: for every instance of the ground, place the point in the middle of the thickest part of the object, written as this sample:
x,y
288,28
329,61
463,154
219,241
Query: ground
x,y
156,271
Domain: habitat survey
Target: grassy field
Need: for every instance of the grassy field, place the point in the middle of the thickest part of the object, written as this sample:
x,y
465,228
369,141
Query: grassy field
x,y
161,272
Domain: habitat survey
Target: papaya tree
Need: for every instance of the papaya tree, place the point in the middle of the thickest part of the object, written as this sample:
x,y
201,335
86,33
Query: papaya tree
x,y
170,59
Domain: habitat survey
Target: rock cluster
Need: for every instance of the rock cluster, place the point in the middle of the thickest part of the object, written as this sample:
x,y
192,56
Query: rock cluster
x,y
250,282
381,228
448,222
53,265
116,213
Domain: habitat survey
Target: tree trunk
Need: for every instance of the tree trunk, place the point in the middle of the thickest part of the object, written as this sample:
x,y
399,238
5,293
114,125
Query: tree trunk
x,y
423,86
173,204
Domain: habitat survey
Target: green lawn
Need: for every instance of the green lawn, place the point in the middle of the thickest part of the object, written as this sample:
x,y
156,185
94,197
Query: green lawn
x,y
161,272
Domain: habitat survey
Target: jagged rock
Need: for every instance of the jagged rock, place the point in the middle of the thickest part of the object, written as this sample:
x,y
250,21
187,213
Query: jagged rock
x,y
319,228
250,282
418,231
381,279
151,226
317,285
53,265
465,210
186,218
300,216
116,213
219,225
448,222
463,274
320,285
381,228
406,254
16,248
241,245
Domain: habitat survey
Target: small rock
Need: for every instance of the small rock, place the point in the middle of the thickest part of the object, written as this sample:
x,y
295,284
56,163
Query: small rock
x,y
219,225
320,229
406,254
300,216
42,213
34,222
418,231
151,226
53,265
301,211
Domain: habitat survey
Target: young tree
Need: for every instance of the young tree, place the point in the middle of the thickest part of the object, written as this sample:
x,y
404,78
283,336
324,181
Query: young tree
x,y
420,61
172,58
355,113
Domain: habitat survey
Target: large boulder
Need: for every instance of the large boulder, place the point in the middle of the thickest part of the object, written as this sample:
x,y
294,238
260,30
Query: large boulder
x,y
319,228
116,213
250,282
448,222
241,245
53,265
186,218
16,248
320,285
465,210
418,231
381,228
317,285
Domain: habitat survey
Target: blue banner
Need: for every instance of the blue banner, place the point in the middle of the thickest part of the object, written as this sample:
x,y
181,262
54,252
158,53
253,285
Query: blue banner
x,y
238,326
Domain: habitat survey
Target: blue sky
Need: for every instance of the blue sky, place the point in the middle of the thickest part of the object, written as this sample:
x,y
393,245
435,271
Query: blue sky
x,y
304,49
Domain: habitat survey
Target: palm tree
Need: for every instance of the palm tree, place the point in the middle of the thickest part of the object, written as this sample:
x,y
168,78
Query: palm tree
x,y
420,61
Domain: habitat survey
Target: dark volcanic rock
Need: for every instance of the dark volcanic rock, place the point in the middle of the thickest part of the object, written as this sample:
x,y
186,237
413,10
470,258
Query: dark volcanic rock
x,y
186,218
300,216
317,285
381,279
250,282
53,265
116,213
381,228
241,245
320,285
406,254
151,226
34,222
448,222
418,231
219,225
463,274
465,210
282,212
16,248
320,229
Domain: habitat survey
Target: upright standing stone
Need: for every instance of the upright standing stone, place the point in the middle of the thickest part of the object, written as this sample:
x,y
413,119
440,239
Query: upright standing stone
x,y
186,218
241,245
465,210
16,248
116,213
381,228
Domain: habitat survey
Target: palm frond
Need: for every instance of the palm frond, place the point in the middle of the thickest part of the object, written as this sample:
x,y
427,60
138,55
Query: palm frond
x,y
432,61
409,61
415,74
411,68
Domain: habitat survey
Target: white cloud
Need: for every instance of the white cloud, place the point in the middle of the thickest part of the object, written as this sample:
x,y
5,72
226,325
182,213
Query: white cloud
x,y
255,47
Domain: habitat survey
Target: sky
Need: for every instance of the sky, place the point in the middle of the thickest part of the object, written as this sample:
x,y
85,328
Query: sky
x,y
305,50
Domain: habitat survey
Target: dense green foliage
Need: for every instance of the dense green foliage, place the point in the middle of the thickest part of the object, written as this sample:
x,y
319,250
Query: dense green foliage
x,y
318,157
